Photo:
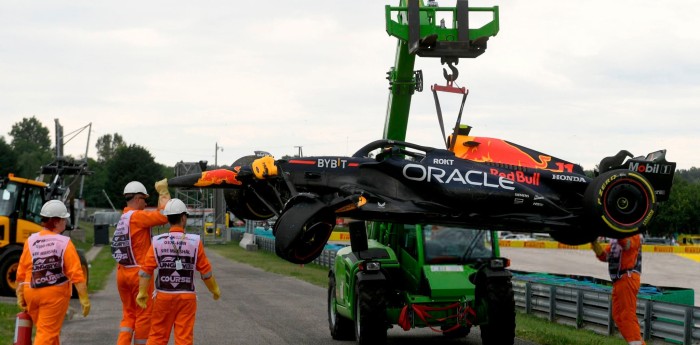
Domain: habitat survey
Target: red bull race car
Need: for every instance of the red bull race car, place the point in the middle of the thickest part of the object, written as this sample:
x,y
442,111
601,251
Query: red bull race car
x,y
482,183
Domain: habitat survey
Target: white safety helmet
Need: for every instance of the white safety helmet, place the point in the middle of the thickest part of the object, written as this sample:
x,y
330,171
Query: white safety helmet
x,y
174,206
54,208
135,187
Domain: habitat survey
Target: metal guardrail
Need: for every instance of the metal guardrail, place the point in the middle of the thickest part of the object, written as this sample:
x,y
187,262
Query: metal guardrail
x,y
580,307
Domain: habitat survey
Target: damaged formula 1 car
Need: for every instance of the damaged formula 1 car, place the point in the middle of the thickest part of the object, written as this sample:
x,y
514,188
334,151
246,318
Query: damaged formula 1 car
x,y
482,183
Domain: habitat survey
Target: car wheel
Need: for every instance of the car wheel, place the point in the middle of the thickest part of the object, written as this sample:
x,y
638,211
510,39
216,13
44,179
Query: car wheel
x,y
243,202
619,203
340,327
303,229
498,297
370,315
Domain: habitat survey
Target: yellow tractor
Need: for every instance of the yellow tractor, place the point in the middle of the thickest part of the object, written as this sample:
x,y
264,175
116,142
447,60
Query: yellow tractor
x,y
20,203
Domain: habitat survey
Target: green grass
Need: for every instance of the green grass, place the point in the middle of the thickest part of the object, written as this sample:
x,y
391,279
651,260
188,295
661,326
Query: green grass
x,y
8,312
100,268
529,327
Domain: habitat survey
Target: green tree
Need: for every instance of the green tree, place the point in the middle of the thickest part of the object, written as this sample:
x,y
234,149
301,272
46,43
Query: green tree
x,y
132,163
32,145
107,145
94,184
8,158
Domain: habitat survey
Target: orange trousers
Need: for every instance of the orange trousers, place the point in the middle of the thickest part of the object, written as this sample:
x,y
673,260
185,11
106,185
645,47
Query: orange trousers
x,y
47,307
136,321
173,310
624,308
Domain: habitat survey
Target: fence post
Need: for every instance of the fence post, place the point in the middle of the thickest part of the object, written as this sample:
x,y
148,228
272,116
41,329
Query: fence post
x,y
579,309
528,301
688,326
648,306
552,303
611,322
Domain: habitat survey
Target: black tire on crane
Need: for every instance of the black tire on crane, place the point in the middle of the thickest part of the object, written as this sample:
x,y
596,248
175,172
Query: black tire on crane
x,y
303,229
619,203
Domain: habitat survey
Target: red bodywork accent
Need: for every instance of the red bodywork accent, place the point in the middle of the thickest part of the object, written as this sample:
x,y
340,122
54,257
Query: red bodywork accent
x,y
299,161
218,176
483,149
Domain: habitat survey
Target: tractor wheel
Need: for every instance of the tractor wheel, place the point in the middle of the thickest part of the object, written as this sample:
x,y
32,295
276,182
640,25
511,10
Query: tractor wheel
x,y
370,315
244,203
86,272
619,203
8,273
497,295
303,229
341,327
573,237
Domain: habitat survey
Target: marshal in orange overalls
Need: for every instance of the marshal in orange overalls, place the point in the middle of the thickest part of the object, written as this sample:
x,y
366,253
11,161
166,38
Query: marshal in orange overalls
x,y
624,258
47,305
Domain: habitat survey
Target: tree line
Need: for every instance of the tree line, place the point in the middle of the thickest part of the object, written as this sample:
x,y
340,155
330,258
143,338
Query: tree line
x,y
119,162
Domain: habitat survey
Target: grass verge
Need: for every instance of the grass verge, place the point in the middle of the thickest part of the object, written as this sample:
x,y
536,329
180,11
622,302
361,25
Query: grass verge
x,y
529,327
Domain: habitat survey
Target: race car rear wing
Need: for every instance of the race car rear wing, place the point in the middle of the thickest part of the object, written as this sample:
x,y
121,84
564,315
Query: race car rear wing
x,y
654,167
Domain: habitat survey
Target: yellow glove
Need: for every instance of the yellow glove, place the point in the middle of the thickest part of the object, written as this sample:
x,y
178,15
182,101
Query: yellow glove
x,y
597,249
142,297
163,193
83,296
162,187
213,287
20,297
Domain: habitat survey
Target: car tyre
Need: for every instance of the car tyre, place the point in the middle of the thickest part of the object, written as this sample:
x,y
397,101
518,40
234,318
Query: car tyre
x,y
619,203
303,229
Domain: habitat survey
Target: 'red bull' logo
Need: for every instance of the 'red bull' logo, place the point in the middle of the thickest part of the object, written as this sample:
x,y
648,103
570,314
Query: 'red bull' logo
x,y
217,177
518,176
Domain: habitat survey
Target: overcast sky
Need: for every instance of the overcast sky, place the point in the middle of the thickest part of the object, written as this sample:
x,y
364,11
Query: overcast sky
x,y
579,80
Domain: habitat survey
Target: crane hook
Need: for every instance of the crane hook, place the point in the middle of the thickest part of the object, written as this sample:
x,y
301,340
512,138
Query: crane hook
x,y
450,64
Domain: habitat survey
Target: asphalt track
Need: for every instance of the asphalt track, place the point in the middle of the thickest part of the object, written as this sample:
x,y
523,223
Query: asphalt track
x,y
256,307
658,269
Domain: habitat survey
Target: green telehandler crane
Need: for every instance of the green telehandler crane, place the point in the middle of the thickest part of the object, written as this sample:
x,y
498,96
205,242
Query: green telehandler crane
x,y
421,275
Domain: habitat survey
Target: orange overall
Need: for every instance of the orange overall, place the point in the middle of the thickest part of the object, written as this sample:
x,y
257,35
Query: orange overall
x,y
48,305
136,320
625,265
175,309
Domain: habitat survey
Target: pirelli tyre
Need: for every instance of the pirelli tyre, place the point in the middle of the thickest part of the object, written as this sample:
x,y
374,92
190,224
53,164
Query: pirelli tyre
x,y
303,229
341,327
619,203
243,202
